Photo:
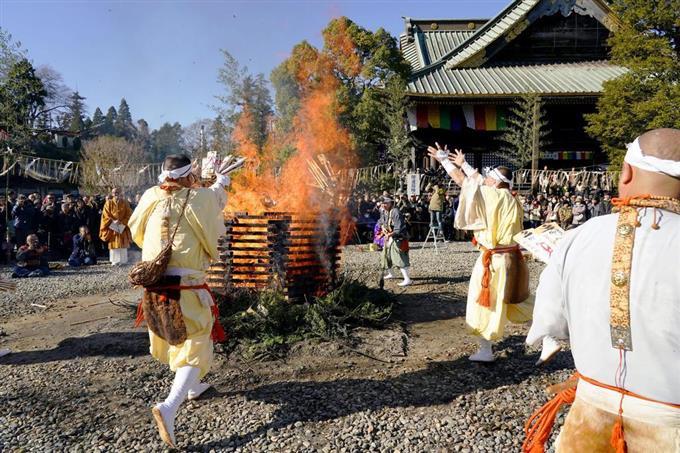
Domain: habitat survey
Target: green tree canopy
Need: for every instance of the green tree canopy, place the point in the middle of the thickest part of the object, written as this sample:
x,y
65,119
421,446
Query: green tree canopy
x,y
11,52
167,140
76,113
109,121
122,124
244,90
527,133
364,63
97,118
22,100
143,138
647,41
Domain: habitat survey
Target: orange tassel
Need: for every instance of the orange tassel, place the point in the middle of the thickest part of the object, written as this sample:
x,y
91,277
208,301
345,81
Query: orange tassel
x,y
617,440
140,315
539,426
484,299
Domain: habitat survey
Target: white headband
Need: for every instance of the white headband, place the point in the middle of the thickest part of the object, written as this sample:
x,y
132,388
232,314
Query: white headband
x,y
636,158
174,174
498,176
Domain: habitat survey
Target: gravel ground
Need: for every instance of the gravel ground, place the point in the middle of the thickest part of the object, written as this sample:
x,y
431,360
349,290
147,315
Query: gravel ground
x,y
93,393
65,283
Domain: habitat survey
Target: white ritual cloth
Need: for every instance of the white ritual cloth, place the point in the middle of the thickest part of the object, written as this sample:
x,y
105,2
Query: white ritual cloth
x,y
636,157
118,256
572,301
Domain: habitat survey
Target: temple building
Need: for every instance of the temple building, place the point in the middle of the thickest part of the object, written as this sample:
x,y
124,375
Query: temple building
x,y
467,73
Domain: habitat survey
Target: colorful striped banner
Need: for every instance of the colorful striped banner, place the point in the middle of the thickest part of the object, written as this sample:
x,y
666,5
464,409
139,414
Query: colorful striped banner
x,y
455,117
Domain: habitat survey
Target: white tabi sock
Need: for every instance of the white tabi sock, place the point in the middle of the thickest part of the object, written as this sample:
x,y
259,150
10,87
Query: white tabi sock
x,y
197,390
550,347
407,279
388,275
484,353
185,378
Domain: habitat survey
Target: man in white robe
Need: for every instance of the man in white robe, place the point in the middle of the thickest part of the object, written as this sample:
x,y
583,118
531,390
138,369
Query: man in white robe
x,y
612,288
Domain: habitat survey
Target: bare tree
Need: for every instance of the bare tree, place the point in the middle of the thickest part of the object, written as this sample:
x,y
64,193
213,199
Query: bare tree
x,y
195,141
108,162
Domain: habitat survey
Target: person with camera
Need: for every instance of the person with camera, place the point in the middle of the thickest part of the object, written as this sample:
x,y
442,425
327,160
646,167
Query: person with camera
x,y
31,259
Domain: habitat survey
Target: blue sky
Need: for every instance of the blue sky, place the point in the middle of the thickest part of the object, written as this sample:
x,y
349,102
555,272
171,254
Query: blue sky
x,y
163,56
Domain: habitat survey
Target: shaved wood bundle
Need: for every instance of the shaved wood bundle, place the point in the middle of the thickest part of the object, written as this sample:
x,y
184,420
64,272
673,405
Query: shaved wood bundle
x,y
336,185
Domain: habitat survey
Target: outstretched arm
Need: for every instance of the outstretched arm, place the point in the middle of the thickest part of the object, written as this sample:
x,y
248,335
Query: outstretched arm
x,y
454,164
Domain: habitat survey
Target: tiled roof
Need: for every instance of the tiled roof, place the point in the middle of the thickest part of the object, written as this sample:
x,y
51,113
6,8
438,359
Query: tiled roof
x,y
556,79
491,31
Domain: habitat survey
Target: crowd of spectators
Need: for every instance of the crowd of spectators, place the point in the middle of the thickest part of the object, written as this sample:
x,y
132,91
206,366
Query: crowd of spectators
x,y
570,205
59,227
434,208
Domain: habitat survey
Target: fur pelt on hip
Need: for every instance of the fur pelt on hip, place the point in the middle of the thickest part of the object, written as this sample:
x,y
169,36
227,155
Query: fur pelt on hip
x,y
162,311
589,429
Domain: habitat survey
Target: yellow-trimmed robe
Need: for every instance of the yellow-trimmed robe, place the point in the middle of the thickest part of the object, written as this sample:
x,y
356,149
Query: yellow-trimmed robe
x,y
494,216
195,245
115,210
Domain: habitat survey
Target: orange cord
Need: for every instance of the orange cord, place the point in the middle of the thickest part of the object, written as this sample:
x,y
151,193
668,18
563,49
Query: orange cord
x,y
538,427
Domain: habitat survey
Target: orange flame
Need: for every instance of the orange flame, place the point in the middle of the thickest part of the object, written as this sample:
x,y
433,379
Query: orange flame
x,y
316,130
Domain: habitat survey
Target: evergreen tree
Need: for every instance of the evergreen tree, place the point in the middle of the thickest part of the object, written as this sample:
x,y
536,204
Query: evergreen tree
x,y
143,138
398,141
527,133
287,96
167,140
11,53
22,101
109,121
221,137
97,121
244,90
87,131
123,125
76,112
647,42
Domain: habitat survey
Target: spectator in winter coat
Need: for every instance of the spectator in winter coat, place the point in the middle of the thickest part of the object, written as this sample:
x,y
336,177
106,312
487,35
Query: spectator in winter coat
x,y
25,219
597,208
580,212
436,206
31,259
607,204
84,252
565,215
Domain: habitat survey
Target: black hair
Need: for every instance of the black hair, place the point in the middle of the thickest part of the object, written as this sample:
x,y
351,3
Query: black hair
x,y
175,161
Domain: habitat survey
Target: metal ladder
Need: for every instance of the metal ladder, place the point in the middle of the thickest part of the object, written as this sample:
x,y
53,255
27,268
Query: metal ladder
x,y
434,234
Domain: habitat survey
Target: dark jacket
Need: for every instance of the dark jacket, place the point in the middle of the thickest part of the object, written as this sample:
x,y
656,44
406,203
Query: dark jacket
x,y
394,222
25,217
83,247
32,259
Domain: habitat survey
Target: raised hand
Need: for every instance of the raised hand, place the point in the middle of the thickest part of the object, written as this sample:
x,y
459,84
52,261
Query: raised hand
x,y
439,154
458,157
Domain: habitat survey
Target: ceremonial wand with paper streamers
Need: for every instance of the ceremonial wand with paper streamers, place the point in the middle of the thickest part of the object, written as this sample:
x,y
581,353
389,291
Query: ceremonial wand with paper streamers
x,y
212,165
337,185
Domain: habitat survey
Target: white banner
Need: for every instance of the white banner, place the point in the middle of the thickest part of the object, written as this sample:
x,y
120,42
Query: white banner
x,y
413,184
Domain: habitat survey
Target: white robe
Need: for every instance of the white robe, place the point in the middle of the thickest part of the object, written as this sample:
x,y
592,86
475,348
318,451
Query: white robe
x,y
572,301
